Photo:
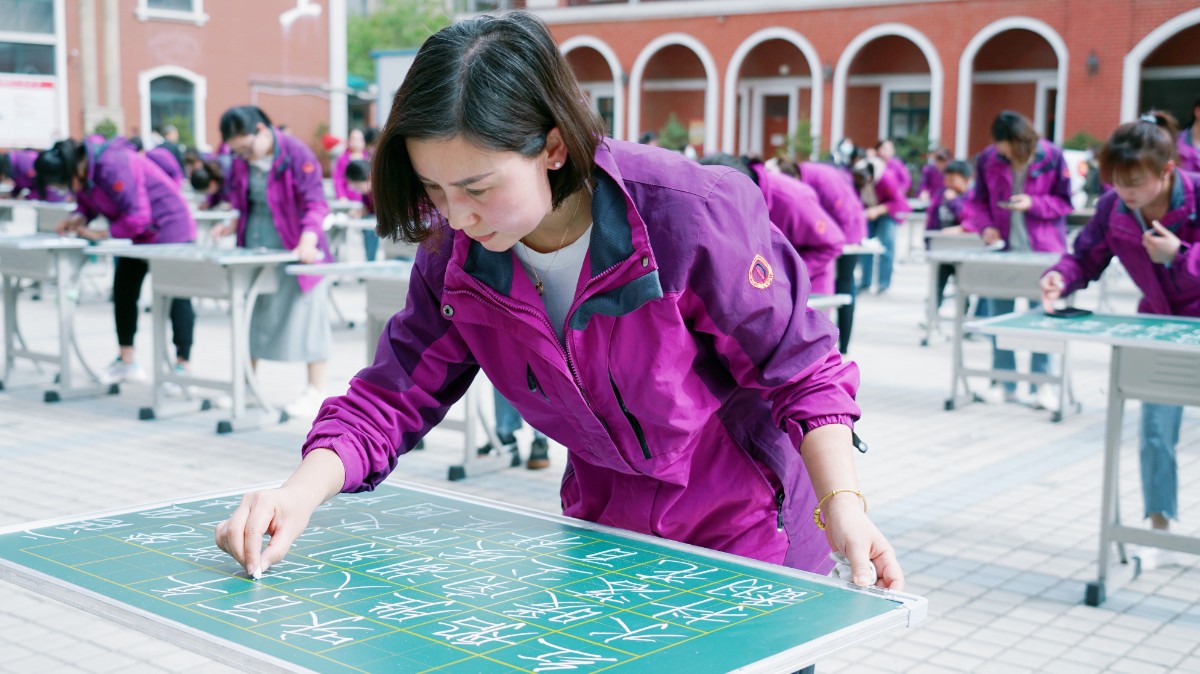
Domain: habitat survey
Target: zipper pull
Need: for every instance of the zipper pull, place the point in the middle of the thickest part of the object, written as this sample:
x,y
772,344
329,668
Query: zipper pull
x,y
779,510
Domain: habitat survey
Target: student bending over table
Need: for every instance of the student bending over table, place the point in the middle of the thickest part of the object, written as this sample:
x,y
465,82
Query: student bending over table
x,y
698,397
1149,223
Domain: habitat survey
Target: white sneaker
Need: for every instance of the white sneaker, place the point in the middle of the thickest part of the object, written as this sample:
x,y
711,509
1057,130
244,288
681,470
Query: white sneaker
x,y
172,390
1047,397
120,371
1156,558
997,394
305,407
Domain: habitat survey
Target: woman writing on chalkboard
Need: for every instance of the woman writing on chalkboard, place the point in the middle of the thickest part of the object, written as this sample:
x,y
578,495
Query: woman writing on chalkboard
x,y
633,305
1149,223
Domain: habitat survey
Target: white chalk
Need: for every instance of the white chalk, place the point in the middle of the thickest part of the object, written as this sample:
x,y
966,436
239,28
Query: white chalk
x,y
257,575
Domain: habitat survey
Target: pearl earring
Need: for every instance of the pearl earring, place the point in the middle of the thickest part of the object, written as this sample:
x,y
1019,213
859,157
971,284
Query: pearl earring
x,y
557,164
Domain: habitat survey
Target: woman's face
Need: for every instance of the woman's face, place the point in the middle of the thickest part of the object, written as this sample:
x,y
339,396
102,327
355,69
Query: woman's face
x,y
1139,188
1004,149
251,146
496,198
355,142
887,150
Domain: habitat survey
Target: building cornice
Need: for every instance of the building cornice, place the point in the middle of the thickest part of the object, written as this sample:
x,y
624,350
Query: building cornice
x,y
686,9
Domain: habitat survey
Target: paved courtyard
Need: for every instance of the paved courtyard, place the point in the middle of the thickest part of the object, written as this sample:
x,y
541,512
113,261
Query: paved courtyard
x,y
994,510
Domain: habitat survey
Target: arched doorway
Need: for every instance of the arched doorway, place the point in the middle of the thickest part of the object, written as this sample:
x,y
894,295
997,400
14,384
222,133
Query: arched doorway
x,y
773,91
1164,59
599,73
1016,63
888,84
675,74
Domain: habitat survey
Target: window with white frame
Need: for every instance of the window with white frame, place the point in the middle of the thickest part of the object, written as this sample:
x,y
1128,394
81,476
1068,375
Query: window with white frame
x,y
27,37
173,102
27,16
908,113
189,11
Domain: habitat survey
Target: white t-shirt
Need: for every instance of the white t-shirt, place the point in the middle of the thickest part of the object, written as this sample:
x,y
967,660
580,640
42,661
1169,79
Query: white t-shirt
x,y
559,275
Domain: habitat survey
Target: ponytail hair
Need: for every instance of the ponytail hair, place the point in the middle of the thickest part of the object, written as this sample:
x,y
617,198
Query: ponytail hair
x,y
1013,128
1145,145
57,165
241,120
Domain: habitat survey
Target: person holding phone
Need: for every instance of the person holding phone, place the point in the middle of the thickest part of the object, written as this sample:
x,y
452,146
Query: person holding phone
x,y
1021,200
1149,223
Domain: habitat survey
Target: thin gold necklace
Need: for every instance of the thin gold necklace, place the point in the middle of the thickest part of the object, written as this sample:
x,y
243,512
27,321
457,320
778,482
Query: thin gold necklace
x,y
539,286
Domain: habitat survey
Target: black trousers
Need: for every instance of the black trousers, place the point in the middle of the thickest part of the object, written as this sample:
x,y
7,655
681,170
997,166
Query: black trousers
x,y
127,286
844,284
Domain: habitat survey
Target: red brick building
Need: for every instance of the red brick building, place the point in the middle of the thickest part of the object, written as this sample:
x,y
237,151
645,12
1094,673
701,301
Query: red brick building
x,y
67,66
742,74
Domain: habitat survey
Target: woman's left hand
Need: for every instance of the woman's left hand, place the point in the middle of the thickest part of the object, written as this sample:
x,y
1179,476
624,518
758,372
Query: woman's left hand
x,y
1020,202
308,252
853,534
1161,244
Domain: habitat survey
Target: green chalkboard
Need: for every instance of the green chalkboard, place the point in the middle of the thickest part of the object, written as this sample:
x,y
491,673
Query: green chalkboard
x,y
1161,332
411,579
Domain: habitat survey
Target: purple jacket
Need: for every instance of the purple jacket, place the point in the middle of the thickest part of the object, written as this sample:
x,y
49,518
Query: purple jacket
x,y
167,162
1048,184
835,189
690,373
341,188
795,209
932,183
1114,230
899,172
141,202
956,207
294,193
890,194
1189,158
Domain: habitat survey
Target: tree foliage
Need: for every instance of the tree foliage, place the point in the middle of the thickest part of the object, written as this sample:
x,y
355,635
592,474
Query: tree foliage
x,y
398,24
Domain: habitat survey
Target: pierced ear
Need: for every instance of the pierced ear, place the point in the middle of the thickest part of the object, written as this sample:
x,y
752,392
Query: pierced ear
x,y
556,149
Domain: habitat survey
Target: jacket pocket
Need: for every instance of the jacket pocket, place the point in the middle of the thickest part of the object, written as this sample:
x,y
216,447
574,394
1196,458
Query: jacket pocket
x,y
633,422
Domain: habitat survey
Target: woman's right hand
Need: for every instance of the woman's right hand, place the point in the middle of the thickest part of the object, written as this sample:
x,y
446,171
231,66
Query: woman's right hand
x,y
282,513
220,230
1052,287
991,235
70,225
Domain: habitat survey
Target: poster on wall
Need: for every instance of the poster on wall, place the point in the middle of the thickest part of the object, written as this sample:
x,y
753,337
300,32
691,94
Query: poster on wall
x,y
28,111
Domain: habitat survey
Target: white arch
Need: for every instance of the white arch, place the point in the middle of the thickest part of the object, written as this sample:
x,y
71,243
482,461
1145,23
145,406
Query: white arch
x,y
735,65
710,89
966,74
1132,78
199,100
614,66
842,72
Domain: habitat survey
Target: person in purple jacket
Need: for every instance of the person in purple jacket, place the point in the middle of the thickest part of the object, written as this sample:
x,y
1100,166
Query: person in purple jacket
x,y
933,184
356,150
1188,140
1022,197
141,204
835,189
1149,222
885,203
950,207
886,150
274,182
633,305
17,166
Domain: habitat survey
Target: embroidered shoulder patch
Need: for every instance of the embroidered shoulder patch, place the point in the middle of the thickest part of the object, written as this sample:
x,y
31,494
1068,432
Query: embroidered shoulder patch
x,y
761,273
308,167
118,186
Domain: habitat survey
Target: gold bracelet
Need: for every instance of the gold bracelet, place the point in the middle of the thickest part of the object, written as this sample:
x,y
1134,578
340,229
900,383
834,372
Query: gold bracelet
x,y
817,511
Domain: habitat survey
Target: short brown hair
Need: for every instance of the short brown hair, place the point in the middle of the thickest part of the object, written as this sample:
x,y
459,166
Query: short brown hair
x,y
1013,128
1145,145
499,82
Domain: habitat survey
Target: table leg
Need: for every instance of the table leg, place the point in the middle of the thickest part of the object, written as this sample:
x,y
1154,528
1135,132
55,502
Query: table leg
x,y
1110,516
931,308
960,310
10,323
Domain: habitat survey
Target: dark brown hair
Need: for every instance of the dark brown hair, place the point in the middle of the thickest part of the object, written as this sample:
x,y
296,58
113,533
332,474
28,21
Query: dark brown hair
x,y
1145,145
500,83
1013,128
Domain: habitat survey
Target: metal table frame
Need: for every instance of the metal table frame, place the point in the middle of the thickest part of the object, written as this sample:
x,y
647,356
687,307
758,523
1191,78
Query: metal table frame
x,y
386,286
1140,369
50,260
237,276
1001,275
939,242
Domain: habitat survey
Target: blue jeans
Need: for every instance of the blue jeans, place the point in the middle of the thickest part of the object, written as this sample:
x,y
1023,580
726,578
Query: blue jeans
x,y
1003,359
1159,435
370,244
884,229
508,419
